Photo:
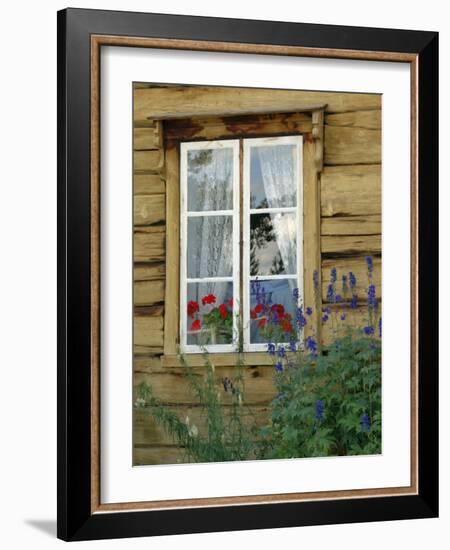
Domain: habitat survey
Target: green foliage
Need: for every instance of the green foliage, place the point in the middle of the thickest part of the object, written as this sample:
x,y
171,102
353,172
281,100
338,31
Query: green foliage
x,y
327,405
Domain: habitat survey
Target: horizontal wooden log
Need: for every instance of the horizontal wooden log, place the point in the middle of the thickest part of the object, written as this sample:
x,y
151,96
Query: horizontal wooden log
x,y
346,145
147,293
188,101
350,244
356,119
147,431
218,359
147,184
171,386
351,225
351,190
234,126
169,454
148,331
149,271
149,244
145,138
148,160
358,267
355,321
146,364
149,209
145,351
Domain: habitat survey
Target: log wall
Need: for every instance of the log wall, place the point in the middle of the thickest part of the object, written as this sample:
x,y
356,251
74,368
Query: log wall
x,y
350,227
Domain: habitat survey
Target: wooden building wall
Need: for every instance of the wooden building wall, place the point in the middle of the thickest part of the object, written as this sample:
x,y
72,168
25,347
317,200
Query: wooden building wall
x,y
350,226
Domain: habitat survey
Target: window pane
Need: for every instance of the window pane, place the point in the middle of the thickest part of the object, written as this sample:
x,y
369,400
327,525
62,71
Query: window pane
x,y
210,179
210,246
272,310
273,176
209,313
273,244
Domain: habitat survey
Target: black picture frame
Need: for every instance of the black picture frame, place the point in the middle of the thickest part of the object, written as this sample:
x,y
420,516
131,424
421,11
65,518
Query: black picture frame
x,y
75,519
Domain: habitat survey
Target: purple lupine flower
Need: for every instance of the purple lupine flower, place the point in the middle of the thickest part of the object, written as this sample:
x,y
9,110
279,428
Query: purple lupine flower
x,y
365,422
320,410
343,317
271,348
309,311
296,294
279,366
352,280
338,298
301,321
333,275
325,318
379,327
369,263
311,344
292,346
326,309
354,301
316,279
371,297
281,352
344,285
368,331
225,383
330,293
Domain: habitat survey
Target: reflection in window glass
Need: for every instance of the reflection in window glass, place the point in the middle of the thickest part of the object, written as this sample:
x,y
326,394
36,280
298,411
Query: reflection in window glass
x,y
273,176
210,246
273,244
210,179
209,313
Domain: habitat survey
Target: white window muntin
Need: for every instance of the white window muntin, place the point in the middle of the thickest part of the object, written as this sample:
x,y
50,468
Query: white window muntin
x,y
298,210
184,215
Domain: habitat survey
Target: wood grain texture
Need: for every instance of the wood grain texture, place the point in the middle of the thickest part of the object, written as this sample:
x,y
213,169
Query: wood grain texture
x,y
149,271
149,209
355,119
351,190
347,145
351,244
186,101
154,454
147,293
149,244
148,160
148,184
351,225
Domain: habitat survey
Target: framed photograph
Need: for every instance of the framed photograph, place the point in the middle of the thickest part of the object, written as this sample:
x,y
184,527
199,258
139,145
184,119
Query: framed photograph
x,y
247,277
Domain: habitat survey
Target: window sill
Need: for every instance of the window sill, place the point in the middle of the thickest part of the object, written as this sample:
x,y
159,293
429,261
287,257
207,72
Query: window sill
x,y
218,359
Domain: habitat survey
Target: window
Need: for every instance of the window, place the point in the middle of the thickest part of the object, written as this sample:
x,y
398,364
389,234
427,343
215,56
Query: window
x,y
241,240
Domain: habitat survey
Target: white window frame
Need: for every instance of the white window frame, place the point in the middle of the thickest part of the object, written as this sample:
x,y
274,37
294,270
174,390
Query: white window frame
x,y
298,209
184,215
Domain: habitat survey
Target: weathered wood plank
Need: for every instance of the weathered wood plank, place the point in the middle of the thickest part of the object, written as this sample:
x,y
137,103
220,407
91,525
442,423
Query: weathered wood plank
x,y
148,160
188,101
218,359
149,244
351,244
144,351
358,267
170,384
356,119
351,225
169,454
148,184
147,293
355,319
345,145
351,190
149,271
145,138
149,209
148,331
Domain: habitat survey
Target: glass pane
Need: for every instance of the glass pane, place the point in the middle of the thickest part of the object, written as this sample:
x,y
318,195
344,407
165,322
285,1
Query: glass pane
x,y
273,244
273,176
210,246
272,311
210,179
209,313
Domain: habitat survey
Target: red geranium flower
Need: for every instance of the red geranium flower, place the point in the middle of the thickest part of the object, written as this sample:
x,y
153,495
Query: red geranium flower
x,y
286,325
209,299
192,308
253,314
223,311
258,308
262,322
279,309
196,325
